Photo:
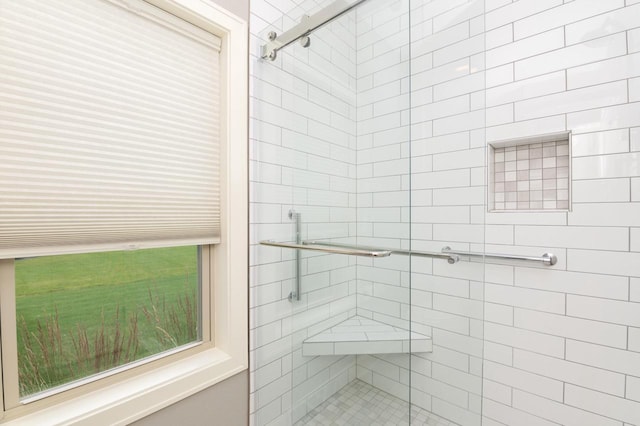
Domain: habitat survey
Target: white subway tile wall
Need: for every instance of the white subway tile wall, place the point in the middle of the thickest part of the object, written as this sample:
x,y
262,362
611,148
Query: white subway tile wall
x,y
568,353
334,129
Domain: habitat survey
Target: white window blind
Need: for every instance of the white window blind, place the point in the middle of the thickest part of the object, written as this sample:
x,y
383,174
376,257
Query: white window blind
x,y
109,134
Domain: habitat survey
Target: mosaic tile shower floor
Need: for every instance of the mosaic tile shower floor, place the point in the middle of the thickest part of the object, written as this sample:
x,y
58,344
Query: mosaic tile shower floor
x,y
360,404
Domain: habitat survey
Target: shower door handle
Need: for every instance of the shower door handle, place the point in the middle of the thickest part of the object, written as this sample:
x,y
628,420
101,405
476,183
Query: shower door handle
x,y
329,249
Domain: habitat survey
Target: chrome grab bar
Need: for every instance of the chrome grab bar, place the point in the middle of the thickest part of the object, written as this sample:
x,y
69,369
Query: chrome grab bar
x,y
450,257
548,259
330,248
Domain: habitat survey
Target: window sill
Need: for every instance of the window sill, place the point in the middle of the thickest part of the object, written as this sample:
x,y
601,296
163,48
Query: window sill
x,y
134,398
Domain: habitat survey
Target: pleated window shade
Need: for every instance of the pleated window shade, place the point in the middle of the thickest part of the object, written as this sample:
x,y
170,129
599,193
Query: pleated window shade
x,y
109,128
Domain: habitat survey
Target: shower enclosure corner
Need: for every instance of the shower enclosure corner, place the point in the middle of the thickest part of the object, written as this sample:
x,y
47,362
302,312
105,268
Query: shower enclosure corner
x,y
368,212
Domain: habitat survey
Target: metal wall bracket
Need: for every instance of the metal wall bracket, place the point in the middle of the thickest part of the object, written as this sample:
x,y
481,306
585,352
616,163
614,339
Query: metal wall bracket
x,y
306,27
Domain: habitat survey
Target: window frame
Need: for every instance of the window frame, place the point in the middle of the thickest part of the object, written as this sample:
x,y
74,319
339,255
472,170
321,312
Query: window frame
x,y
126,396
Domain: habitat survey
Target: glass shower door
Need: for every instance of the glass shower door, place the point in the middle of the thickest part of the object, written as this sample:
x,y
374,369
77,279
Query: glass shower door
x,y
378,134
448,207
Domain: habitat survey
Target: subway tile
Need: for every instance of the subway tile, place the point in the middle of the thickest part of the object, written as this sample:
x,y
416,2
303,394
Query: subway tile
x,y
608,358
497,313
456,378
525,339
440,109
604,262
459,306
458,232
499,115
499,76
462,49
459,159
612,311
606,286
571,56
520,379
515,12
563,15
529,47
633,388
525,298
598,143
459,123
601,403
458,196
607,166
573,237
525,89
456,414
446,143
573,328
635,189
525,218
634,290
634,89
570,372
604,24
608,118
618,68
496,391
559,413
507,415
633,37
574,100
625,214
462,13
527,128
458,342
499,36
494,4
499,274
635,139
439,40
440,74
634,339
471,83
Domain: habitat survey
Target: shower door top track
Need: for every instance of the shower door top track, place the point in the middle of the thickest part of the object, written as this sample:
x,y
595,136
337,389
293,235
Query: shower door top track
x,y
306,27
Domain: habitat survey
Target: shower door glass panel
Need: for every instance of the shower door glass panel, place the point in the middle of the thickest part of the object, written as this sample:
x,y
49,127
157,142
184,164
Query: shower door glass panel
x,y
448,207
350,330
371,134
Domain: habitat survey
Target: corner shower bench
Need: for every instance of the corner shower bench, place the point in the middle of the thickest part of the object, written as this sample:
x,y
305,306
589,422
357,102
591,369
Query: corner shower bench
x,y
359,335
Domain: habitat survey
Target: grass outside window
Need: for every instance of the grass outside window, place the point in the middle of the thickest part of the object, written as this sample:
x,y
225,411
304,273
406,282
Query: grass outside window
x,y
79,315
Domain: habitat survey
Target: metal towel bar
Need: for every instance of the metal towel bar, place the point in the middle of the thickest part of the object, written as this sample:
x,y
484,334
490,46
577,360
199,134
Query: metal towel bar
x,y
548,259
330,248
451,258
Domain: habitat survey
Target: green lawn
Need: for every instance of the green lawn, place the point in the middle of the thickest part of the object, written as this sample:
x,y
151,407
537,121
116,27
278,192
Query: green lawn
x,y
105,298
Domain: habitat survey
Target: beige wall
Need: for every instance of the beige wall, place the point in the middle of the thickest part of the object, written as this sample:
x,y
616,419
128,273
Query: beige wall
x,y
227,403
239,7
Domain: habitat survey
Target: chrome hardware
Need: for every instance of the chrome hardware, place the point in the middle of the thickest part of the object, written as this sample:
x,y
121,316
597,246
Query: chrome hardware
x,y
548,259
307,25
451,258
329,249
295,294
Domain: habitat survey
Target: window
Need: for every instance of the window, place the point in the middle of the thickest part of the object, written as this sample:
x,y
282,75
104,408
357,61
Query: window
x,y
122,246
79,315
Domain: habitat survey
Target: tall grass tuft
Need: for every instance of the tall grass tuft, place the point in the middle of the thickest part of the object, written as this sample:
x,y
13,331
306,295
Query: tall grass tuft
x,y
50,356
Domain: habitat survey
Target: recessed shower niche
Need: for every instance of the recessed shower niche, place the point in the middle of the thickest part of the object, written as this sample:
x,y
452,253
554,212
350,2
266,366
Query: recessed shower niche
x,y
532,173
